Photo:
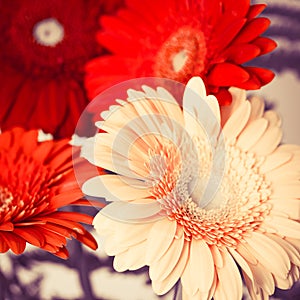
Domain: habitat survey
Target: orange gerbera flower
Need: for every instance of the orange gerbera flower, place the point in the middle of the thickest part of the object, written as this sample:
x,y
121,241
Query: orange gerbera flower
x,y
198,192
36,180
180,39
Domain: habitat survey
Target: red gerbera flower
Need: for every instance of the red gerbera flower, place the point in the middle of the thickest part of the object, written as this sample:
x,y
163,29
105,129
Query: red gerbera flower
x,y
36,180
44,46
180,39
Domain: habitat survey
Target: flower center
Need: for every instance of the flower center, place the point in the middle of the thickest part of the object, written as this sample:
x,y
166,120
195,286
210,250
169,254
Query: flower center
x,y
179,60
48,32
29,185
238,206
182,55
6,198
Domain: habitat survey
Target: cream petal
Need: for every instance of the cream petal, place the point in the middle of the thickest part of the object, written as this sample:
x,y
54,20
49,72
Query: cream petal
x,y
203,110
173,110
103,225
197,296
163,286
229,284
115,188
105,157
283,226
113,247
161,268
125,236
199,271
133,212
134,95
241,262
289,190
291,251
267,252
217,257
237,121
150,92
282,283
275,160
132,259
268,142
291,207
197,85
245,251
252,133
159,239
289,148
255,292
263,278
273,118
257,108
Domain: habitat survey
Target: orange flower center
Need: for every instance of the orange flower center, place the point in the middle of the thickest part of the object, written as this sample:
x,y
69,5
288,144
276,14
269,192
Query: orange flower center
x,y
6,198
237,206
182,55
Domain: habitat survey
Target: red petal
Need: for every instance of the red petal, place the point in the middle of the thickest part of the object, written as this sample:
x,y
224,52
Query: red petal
x,y
14,242
226,74
3,245
62,253
266,45
224,97
65,198
264,75
42,151
66,223
63,231
31,235
226,31
89,203
29,141
52,238
238,10
74,216
88,240
255,10
252,30
241,53
7,226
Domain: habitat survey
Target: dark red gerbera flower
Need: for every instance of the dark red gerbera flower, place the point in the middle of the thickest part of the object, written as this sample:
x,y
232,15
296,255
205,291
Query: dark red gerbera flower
x,y
180,39
44,46
36,180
